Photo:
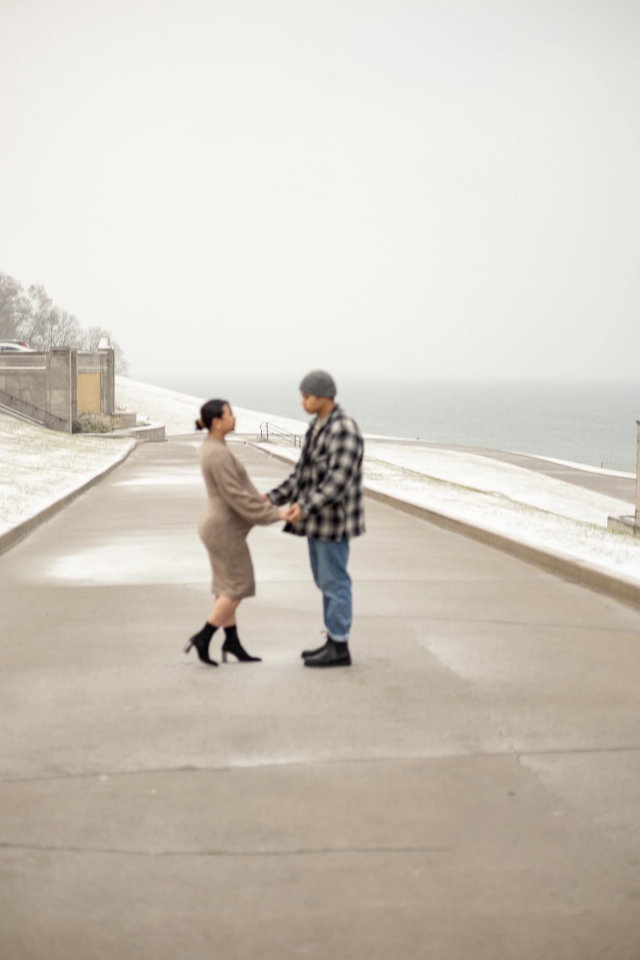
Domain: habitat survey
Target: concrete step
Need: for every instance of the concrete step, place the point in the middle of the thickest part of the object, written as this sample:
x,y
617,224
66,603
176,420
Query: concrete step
x,y
125,419
149,433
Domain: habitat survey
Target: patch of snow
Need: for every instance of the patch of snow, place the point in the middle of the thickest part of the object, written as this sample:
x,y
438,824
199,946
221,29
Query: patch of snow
x,y
480,474
39,466
161,558
174,480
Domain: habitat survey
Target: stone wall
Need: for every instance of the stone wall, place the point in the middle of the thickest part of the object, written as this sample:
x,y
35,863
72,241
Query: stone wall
x,y
24,375
107,381
61,385
43,386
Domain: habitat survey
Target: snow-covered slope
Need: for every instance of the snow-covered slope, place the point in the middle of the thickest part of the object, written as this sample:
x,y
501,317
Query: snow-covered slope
x,y
520,504
482,475
38,466
179,411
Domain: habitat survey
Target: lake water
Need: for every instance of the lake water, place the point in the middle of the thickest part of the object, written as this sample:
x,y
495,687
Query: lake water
x,y
592,423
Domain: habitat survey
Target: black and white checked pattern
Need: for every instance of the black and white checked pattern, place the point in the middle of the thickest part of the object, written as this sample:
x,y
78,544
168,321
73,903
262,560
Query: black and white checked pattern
x,y
327,482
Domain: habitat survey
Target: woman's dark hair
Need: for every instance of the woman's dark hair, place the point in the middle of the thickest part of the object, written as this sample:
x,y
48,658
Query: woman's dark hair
x,y
210,411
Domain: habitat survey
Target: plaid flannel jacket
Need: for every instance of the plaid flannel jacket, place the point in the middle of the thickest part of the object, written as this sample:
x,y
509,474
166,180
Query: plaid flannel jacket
x,y
327,482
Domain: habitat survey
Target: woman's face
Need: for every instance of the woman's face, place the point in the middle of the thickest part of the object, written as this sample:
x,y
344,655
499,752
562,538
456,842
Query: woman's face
x,y
227,422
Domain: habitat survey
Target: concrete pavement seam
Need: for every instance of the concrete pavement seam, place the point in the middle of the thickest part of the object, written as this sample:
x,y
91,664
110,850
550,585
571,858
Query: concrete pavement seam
x,y
580,572
21,530
240,854
409,758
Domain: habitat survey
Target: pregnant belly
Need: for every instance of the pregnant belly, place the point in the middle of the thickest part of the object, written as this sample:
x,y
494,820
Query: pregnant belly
x,y
219,532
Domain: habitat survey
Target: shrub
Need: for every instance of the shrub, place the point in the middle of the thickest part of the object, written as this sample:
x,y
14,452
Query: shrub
x,y
92,423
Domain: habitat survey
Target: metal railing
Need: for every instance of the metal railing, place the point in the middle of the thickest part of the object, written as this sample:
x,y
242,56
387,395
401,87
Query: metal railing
x,y
269,430
29,411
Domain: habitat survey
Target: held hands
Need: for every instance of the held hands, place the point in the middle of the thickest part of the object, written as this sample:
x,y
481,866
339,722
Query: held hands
x,y
292,514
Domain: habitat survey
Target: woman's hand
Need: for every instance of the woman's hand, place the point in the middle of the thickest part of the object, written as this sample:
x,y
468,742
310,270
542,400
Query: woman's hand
x,y
284,513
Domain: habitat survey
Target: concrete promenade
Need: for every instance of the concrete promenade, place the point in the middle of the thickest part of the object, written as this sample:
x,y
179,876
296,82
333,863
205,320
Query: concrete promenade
x,y
469,790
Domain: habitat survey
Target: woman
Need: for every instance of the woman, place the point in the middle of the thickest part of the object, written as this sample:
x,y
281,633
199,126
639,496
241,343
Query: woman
x,y
234,507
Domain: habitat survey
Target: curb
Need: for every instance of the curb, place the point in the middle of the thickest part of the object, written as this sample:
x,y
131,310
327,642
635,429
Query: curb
x,y
563,565
150,433
23,529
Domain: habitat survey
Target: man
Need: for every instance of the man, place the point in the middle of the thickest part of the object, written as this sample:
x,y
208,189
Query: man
x,y
325,491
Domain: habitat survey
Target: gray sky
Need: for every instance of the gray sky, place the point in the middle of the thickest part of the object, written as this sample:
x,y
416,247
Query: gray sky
x,y
396,188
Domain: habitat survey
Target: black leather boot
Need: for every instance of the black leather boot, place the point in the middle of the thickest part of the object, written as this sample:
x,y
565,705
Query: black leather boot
x,y
201,642
312,653
232,645
333,654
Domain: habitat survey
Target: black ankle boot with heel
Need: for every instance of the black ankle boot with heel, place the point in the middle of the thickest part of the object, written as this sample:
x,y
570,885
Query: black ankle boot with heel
x,y
201,642
232,645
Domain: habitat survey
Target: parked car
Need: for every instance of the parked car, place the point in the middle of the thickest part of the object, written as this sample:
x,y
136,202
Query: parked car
x,y
15,346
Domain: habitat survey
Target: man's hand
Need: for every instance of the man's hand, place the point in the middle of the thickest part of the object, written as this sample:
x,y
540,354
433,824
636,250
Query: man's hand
x,y
294,513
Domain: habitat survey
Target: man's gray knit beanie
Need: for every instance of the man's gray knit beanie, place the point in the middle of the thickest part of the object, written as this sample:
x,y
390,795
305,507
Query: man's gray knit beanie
x,y
319,383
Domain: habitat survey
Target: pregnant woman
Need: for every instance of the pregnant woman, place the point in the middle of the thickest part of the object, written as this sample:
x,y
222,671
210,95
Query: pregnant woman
x,y
234,507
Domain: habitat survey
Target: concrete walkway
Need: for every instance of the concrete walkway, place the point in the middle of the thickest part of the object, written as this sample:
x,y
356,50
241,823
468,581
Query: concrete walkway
x,y
469,790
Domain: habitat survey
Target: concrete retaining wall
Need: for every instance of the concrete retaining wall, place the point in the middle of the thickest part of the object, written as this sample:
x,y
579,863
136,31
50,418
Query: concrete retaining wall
x,y
44,385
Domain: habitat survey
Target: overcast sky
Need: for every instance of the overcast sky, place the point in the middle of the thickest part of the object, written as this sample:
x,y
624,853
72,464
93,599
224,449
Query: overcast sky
x,y
396,188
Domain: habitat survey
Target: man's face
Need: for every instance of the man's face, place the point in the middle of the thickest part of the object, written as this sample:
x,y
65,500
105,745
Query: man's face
x,y
311,403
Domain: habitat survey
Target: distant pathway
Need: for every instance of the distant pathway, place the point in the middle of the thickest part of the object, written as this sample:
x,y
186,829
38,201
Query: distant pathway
x,y
623,488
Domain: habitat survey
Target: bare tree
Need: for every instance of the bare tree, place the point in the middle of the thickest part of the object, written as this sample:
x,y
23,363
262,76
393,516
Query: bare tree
x,y
90,340
92,336
55,328
33,317
14,308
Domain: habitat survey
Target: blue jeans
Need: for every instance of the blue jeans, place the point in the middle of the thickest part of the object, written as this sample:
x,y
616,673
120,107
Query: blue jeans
x,y
329,566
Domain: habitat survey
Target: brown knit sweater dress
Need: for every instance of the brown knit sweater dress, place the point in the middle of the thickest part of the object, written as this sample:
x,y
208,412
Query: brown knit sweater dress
x,y
234,507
